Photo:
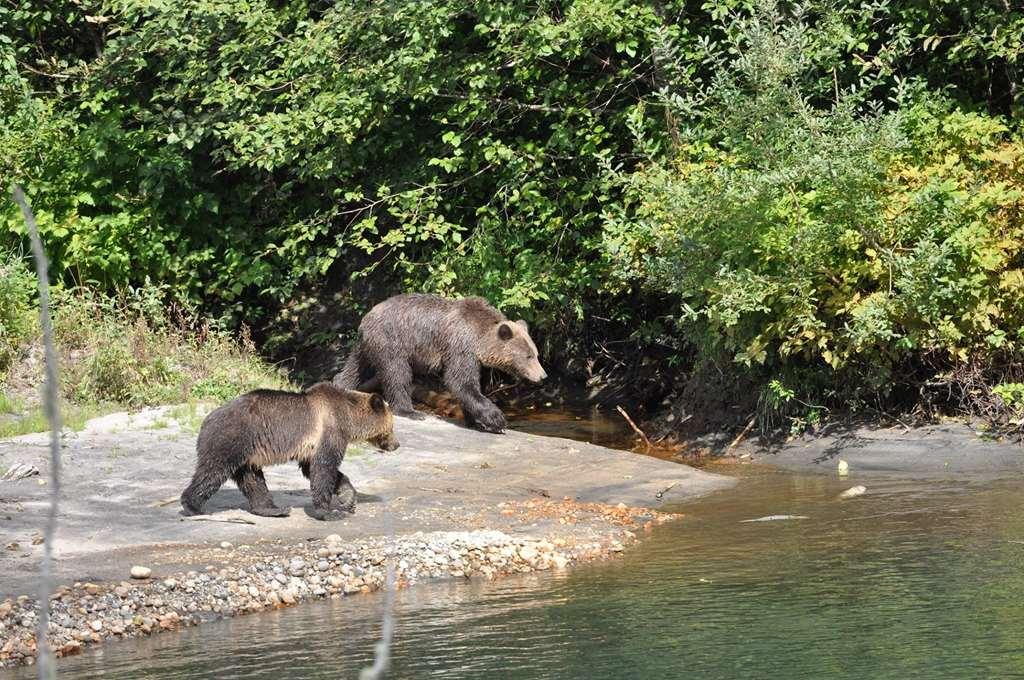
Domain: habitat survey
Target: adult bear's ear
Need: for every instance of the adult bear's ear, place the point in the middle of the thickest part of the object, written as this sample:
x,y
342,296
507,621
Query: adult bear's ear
x,y
522,324
377,403
505,331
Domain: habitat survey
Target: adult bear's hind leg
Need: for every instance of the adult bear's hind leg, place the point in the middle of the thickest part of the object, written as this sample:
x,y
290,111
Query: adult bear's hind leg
x,y
396,383
253,485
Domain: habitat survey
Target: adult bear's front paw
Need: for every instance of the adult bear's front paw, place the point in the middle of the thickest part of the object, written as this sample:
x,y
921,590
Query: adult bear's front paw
x,y
491,421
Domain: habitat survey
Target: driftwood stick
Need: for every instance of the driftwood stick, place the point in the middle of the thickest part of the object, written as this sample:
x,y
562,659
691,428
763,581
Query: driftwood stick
x,y
636,429
225,520
741,435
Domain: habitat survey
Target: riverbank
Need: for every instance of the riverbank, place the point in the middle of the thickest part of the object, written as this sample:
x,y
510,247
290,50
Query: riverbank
x,y
934,451
450,502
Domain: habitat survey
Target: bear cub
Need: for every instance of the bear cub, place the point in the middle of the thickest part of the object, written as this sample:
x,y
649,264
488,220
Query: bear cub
x,y
415,334
270,427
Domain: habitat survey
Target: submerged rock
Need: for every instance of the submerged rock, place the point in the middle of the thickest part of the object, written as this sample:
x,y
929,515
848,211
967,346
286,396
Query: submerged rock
x,y
853,492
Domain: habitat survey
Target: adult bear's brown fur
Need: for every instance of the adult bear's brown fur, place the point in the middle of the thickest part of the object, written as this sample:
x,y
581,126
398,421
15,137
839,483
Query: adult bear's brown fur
x,y
269,427
416,334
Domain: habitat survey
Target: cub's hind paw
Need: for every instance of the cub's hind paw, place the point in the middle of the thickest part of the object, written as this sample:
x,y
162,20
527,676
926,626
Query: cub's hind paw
x,y
271,511
345,499
330,515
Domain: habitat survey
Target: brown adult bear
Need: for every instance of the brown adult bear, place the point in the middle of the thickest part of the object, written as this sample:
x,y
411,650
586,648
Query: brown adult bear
x,y
419,334
269,427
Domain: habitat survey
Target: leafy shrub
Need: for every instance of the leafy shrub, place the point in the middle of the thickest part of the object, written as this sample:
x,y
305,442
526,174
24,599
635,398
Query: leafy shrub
x,y
17,316
835,236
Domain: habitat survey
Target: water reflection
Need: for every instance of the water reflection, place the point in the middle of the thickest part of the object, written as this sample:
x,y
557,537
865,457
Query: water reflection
x,y
910,580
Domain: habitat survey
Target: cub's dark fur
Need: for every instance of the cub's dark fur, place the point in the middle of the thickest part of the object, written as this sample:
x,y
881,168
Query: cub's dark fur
x,y
269,427
417,334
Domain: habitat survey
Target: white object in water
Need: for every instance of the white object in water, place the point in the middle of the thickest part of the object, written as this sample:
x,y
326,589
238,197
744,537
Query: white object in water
x,y
853,492
843,468
775,518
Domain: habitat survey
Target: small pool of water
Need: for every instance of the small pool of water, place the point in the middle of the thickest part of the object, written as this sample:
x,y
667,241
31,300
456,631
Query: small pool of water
x,y
582,423
912,580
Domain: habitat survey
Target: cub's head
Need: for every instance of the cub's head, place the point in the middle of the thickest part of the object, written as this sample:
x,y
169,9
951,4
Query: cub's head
x,y
372,418
508,347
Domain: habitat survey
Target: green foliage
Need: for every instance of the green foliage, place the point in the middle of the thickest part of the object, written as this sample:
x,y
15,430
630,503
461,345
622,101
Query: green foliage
x,y
1012,395
825,191
73,416
835,236
128,351
17,318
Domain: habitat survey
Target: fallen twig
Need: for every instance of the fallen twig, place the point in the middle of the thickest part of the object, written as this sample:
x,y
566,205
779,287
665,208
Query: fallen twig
x,y
167,501
636,429
741,435
668,488
225,520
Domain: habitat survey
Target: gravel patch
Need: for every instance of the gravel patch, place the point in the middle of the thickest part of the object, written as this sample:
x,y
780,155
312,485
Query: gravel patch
x,y
265,577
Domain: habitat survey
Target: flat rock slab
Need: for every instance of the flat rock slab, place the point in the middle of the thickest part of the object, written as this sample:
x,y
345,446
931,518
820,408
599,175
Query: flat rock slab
x,y
948,450
121,478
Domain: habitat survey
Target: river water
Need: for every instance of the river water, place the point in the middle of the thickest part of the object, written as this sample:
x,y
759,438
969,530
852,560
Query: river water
x,y
911,580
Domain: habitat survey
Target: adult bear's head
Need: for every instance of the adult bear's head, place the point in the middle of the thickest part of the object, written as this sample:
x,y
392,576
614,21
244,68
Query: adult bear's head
x,y
510,348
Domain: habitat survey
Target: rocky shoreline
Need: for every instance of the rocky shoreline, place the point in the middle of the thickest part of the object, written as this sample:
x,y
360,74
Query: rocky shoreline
x,y
450,503
254,578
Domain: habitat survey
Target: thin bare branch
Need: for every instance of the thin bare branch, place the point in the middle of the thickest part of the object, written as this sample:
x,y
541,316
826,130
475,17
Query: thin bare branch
x,y
44,656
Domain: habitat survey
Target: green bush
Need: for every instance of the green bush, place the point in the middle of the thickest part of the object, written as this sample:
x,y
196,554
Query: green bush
x,y
838,237
17,311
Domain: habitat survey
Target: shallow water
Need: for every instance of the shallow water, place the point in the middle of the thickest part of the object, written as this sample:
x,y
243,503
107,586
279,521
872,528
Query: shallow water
x,y
582,423
911,580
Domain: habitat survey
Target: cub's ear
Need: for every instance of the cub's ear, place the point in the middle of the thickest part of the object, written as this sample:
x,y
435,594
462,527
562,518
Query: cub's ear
x,y
377,403
522,324
505,331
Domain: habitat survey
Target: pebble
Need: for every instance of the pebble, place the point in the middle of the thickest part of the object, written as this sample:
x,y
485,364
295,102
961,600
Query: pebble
x,y
141,572
225,545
